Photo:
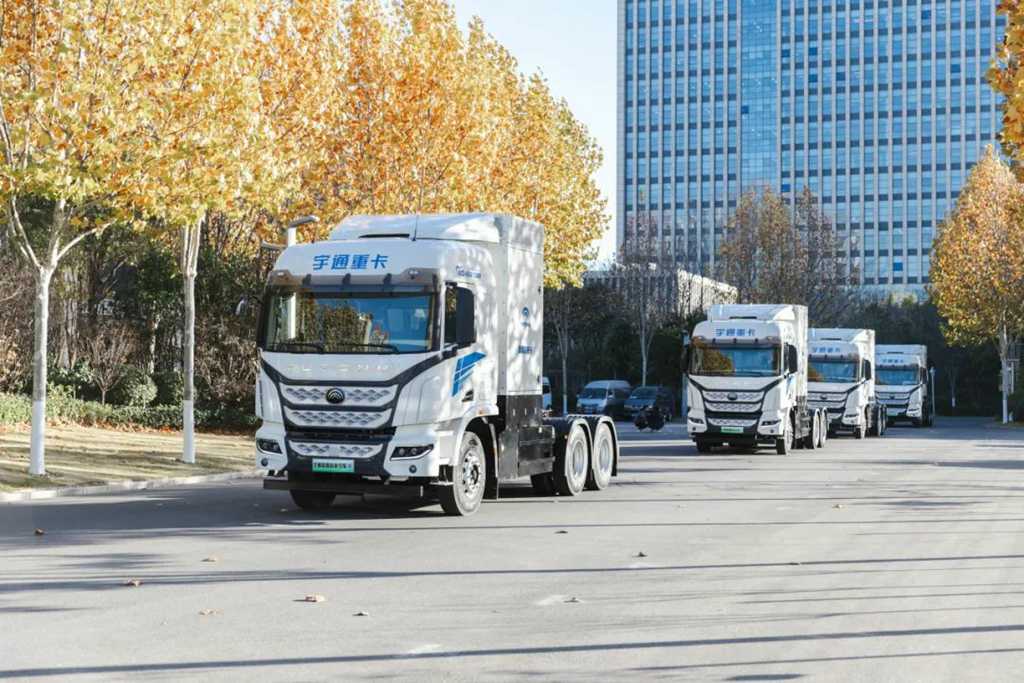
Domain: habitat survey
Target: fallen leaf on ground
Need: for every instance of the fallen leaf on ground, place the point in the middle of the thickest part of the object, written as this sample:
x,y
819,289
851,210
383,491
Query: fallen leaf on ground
x,y
211,558
561,531
134,583
361,614
641,554
315,597
40,532
574,599
837,506
208,612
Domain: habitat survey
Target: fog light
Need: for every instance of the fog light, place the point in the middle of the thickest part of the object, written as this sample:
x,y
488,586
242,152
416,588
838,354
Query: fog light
x,y
412,469
268,446
412,451
264,462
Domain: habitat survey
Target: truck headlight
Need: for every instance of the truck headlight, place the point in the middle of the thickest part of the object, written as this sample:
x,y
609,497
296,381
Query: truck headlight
x,y
268,445
695,420
411,451
769,423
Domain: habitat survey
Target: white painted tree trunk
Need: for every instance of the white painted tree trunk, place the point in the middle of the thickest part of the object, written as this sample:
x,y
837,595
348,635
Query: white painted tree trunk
x,y
37,460
189,266
1004,363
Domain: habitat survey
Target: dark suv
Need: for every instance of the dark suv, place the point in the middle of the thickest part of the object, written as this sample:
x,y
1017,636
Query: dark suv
x,y
643,398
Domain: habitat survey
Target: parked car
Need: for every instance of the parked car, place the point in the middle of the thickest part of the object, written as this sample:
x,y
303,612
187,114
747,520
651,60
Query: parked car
x,y
604,397
643,398
545,384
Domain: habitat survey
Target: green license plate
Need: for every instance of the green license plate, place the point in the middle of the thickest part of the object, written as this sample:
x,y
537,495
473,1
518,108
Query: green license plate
x,y
334,466
732,430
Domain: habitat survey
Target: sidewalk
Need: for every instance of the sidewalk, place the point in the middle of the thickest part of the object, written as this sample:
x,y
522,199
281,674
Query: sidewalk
x,y
80,458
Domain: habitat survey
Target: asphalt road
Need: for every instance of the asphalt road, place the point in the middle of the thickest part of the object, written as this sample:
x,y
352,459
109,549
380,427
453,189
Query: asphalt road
x,y
877,560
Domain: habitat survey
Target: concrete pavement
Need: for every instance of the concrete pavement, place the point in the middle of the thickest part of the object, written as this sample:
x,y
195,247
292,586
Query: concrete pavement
x,y
892,559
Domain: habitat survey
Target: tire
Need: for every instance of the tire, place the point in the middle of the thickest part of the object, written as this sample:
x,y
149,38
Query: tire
x,y
815,435
313,501
703,447
469,479
602,459
918,423
860,431
572,462
823,431
784,444
543,484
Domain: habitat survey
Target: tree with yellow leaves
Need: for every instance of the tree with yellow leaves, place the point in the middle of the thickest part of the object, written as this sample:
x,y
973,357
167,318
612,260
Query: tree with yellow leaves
x,y
1007,77
426,118
74,121
977,273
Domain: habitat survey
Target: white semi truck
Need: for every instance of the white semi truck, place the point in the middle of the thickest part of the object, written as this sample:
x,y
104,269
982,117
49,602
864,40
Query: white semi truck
x,y
842,381
403,356
747,380
906,383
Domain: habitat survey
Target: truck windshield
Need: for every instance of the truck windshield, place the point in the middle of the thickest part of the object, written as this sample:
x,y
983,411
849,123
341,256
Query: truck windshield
x,y
736,361
832,371
349,322
897,376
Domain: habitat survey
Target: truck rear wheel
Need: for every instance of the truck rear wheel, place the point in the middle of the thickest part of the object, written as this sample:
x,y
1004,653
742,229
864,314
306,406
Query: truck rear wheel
x,y
823,429
703,447
469,478
572,462
312,501
602,459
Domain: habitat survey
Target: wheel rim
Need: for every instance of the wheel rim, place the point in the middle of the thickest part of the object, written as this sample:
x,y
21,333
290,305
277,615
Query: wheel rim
x,y
604,458
471,471
577,460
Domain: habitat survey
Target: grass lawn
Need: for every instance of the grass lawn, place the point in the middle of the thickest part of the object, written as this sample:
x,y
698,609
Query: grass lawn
x,y
88,455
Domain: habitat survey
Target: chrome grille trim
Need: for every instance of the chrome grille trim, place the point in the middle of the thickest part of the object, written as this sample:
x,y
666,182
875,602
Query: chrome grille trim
x,y
338,418
358,397
335,450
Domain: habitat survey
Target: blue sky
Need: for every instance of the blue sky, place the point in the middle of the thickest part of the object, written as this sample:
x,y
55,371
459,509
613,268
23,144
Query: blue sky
x,y
573,43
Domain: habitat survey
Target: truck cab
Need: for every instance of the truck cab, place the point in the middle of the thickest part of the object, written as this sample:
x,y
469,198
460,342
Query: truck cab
x,y
905,384
747,379
842,383
405,353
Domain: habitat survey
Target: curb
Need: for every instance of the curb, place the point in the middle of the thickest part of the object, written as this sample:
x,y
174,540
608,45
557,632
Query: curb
x,y
125,485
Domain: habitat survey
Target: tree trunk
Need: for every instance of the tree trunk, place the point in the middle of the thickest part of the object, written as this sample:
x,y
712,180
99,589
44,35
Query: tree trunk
x,y
152,325
37,463
189,266
103,397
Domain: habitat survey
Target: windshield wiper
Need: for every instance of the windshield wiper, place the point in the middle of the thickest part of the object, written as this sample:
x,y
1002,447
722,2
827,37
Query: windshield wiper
x,y
389,347
316,345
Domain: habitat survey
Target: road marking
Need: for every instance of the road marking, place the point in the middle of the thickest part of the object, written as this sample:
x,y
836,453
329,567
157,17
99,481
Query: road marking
x,y
424,649
643,565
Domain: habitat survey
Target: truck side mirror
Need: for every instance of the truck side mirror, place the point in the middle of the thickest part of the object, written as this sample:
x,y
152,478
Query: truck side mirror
x,y
465,317
792,359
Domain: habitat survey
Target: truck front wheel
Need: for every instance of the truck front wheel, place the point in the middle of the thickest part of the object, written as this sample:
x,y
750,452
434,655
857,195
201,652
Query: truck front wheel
x,y
469,477
312,501
784,444
572,462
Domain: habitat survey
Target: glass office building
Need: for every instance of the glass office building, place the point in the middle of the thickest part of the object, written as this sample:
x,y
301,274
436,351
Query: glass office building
x,y
880,107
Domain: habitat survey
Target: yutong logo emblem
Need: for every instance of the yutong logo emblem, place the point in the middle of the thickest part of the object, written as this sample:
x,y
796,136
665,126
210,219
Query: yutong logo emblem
x,y
732,396
335,396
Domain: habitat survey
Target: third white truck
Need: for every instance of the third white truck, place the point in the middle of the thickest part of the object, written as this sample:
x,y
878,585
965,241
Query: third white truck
x,y
747,380
905,383
842,381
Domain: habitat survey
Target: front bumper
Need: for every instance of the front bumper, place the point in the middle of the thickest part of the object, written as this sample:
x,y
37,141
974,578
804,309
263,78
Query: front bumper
x,y
760,428
354,455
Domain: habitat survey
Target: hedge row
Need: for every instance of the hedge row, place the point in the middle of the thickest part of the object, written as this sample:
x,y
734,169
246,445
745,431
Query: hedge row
x,y
17,409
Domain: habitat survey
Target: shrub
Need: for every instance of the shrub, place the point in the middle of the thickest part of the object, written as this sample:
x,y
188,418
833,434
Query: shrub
x,y
60,408
76,381
136,388
170,388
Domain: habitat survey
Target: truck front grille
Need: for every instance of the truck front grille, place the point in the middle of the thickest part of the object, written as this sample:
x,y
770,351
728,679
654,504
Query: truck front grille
x,y
338,418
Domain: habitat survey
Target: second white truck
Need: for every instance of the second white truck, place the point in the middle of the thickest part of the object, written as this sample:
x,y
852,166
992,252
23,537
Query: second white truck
x,y
842,381
747,380
905,383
